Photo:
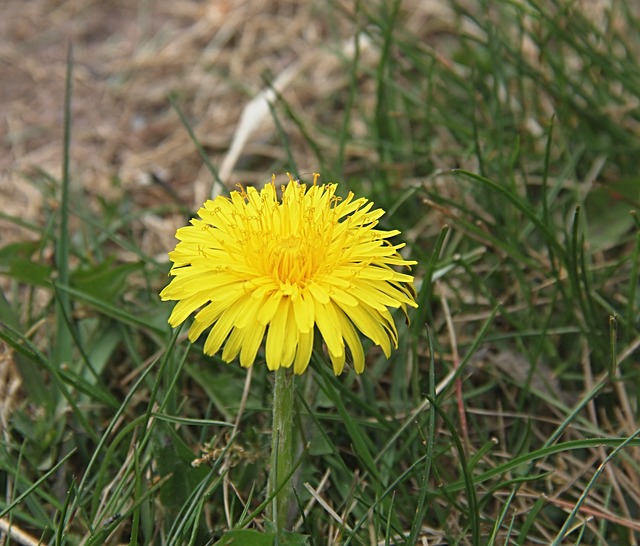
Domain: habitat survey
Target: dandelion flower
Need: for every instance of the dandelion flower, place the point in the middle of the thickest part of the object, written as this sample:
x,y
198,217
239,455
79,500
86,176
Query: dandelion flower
x,y
258,265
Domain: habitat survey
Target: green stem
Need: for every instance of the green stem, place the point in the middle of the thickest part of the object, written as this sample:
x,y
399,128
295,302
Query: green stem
x,y
281,448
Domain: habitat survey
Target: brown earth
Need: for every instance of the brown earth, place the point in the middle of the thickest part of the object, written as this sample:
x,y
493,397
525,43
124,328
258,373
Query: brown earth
x,y
128,57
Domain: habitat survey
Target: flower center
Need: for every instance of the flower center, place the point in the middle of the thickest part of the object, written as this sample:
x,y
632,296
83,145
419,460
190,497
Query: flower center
x,y
288,259
290,241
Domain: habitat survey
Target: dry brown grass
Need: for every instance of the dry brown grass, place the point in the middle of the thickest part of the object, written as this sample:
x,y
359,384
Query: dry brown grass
x,y
214,56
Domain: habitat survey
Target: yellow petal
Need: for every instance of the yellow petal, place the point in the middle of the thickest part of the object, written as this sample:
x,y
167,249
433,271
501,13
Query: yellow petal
x,y
353,341
211,313
291,334
250,312
187,306
327,320
275,336
269,308
365,320
254,333
233,345
337,362
303,312
318,292
303,354
221,329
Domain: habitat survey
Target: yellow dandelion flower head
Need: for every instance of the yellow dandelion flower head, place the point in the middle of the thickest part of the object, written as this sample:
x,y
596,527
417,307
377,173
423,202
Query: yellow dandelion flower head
x,y
256,265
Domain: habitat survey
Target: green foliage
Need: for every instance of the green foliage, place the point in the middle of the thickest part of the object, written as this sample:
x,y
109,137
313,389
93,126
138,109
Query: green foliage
x,y
247,537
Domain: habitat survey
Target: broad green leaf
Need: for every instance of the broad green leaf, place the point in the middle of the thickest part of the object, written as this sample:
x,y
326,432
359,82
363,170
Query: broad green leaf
x,y
105,281
608,212
174,458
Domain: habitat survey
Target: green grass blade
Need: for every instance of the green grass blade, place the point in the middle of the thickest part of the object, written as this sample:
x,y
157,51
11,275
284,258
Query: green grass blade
x,y
62,347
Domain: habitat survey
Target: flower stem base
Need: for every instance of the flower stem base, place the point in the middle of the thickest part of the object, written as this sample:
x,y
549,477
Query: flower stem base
x,y
282,451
